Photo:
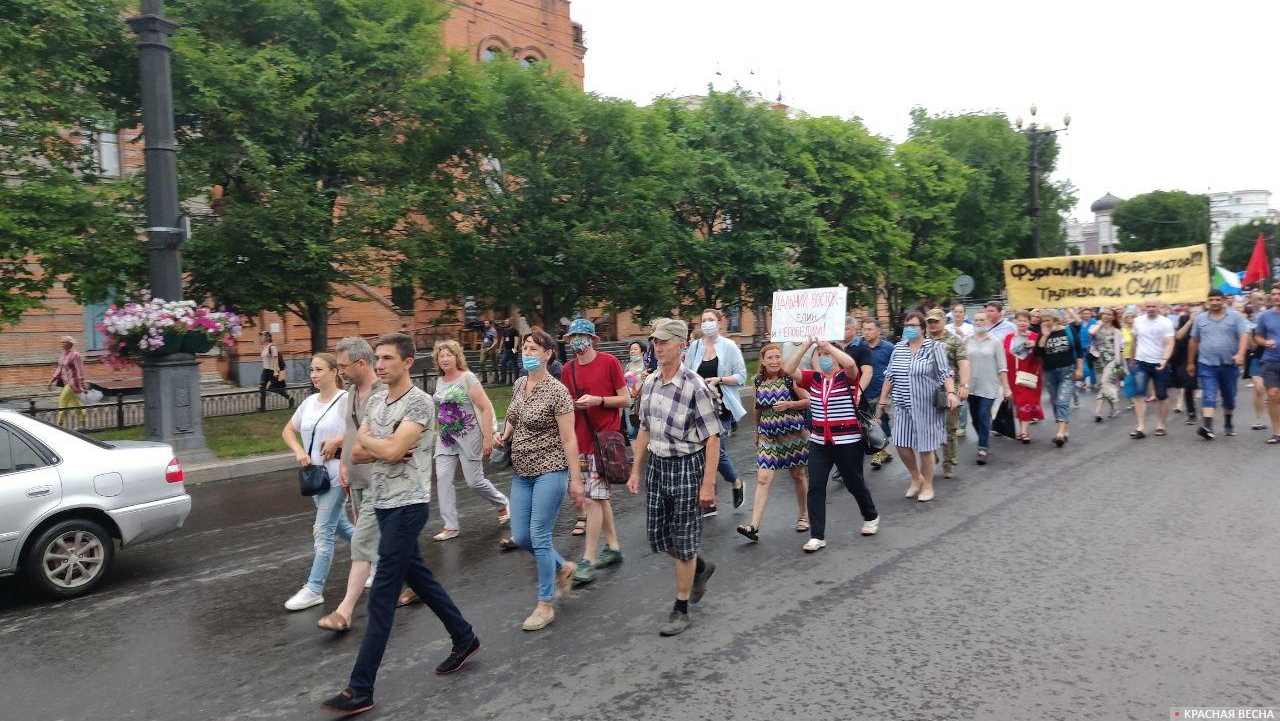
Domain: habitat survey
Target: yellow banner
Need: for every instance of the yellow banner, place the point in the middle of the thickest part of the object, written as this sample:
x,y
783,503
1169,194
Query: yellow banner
x,y
1175,275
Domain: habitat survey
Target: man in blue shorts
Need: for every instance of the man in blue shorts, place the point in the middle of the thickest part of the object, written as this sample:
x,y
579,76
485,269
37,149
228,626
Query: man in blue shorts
x,y
1267,336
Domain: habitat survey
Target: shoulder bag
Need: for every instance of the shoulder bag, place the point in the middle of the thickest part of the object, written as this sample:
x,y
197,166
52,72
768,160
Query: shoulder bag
x,y
612,462
314,479
1022,378
939,393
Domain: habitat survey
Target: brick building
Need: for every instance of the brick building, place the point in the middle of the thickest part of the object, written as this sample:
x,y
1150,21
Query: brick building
x,y
531,31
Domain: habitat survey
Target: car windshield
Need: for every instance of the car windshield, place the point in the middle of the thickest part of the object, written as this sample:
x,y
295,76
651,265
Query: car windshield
x,y
77,434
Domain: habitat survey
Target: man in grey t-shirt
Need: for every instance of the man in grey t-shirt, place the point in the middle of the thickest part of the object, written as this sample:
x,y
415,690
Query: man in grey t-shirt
x,y
398,439
1219,339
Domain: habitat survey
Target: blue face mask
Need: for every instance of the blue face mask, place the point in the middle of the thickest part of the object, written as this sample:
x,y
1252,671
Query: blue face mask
x,y
531,362
911,332
826,363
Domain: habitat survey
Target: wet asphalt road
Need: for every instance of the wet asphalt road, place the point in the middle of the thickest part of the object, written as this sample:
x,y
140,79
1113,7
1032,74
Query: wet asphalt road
x,y
1110,579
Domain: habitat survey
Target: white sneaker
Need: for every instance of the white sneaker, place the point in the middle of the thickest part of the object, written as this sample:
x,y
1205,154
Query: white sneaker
x,y
373,571
814,544
303,599
446,534
869,528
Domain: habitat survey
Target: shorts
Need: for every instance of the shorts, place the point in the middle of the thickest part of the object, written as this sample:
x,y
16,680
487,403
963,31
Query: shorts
x,y
1271,374
595,486
364,542
1144,372
1218,379
1255,366
674,518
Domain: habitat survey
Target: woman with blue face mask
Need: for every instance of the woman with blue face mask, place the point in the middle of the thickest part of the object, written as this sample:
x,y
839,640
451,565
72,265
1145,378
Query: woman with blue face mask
x,y
916,370
718,360
544,453
835,435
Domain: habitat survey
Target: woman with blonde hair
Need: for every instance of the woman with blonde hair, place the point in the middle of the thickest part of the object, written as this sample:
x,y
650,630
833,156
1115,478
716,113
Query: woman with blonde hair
x,y
465,415
780,438
70,377
321,421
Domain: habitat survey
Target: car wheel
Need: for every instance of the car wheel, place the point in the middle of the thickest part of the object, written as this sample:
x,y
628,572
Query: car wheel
x,y
69,558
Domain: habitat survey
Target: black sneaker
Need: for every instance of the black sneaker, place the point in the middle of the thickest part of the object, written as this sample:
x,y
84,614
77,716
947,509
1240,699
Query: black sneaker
x,y
348,703
1205,433
676,624
700,582
459,657
709,511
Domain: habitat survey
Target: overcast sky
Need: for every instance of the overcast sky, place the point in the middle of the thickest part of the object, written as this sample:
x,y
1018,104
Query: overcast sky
x,y
1162,95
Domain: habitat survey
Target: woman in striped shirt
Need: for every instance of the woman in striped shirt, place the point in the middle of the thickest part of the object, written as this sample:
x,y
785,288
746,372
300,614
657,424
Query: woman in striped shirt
x,y
835,435
916,370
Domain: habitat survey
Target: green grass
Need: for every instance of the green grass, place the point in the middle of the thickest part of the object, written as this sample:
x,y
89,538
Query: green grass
x,y
228,436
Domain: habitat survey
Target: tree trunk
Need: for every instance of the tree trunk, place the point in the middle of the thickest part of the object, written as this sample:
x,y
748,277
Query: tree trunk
x,y
550,321
318,322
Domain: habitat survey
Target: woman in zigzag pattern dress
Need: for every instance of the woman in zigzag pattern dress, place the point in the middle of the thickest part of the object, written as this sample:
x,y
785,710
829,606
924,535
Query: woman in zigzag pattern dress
x,y
780,437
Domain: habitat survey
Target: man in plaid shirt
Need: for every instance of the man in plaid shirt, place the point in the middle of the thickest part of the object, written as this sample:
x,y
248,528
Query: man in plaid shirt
x,y
679,431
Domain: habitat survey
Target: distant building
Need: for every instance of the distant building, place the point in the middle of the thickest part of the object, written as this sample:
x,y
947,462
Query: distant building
x,y
1097,237
1232,208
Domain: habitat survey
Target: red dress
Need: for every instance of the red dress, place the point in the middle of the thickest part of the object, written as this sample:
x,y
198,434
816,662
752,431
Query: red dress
x,y
1026,401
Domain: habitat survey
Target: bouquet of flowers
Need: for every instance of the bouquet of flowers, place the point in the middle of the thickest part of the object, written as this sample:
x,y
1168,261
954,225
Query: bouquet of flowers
x,y
155,324
455,420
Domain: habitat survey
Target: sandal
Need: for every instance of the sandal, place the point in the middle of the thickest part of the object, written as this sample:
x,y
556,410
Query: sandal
x,y
580,528
752,532
407,597
1137,434
334,622
1273,440
507,544
1161,432
982,458
802,525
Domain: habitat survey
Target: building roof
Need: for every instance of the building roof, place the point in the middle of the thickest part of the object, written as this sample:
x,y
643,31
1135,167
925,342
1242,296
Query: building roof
x,y
1105,203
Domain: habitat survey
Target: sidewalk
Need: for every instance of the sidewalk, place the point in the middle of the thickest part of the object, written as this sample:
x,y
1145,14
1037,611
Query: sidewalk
x,y
226,469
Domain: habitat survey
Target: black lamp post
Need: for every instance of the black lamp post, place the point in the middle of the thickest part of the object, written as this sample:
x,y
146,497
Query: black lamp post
x,y
1036,135
171,383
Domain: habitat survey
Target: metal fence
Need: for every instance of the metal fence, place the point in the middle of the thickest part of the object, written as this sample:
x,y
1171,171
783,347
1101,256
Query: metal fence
x,y
121,412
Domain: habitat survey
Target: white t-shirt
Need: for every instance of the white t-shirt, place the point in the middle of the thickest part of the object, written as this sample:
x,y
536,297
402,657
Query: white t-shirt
x,y
331,424
1148,337
964,332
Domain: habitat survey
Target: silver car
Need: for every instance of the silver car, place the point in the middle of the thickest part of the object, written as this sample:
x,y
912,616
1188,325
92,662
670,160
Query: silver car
x,y
65,499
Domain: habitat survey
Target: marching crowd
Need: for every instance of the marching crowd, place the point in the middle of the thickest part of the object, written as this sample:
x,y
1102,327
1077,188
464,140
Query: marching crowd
x,y
821,410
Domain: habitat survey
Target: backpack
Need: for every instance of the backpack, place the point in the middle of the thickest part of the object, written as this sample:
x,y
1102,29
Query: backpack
x,y
612,461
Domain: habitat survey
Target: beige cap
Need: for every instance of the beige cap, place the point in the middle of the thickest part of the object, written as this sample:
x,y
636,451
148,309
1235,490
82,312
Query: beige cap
x,y
669,328
67,339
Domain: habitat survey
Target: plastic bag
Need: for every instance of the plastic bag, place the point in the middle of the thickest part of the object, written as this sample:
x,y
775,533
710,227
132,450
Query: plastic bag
x,y
93,396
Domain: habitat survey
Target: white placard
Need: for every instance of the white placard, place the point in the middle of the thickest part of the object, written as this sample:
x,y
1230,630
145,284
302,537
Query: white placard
x,y
275,328
801,314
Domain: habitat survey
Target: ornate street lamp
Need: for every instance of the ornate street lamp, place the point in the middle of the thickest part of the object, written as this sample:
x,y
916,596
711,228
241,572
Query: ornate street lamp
x,y
1036,135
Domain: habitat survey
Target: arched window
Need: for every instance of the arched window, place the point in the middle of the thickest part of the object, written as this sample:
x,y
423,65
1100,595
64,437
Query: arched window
x,y
492,48
490,53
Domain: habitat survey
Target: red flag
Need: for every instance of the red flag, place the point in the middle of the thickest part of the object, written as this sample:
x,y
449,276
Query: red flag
x,y
1258,266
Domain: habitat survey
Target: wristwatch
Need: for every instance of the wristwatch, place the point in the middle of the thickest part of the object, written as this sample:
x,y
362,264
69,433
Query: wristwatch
x,y
602,401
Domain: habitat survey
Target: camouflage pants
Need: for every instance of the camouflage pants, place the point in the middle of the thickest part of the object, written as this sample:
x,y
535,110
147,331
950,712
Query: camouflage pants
x,y
949,450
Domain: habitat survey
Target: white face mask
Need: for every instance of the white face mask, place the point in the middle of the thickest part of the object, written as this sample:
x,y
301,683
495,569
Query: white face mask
x,y
710,327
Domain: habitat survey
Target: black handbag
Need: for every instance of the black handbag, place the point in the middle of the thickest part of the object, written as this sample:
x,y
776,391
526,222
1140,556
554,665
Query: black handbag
x,y
940,399
314,479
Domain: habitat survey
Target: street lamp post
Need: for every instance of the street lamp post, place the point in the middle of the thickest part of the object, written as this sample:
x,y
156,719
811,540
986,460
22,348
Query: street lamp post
x,y
1036,135
171,383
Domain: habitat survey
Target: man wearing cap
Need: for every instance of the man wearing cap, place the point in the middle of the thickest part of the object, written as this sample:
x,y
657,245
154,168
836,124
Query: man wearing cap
x,y
596,384
679,432
957,358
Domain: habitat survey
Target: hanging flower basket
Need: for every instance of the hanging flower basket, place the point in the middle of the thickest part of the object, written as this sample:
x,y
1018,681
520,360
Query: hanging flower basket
x,y
154,328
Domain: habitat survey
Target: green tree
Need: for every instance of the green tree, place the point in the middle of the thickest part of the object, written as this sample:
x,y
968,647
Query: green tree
x,y
67,70
297,110
1239,240
991,221
850,174
1161,219
554,200
743,212
930,186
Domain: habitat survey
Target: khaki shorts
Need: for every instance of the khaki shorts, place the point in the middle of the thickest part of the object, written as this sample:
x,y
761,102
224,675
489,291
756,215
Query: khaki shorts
x,y
364,542
595,486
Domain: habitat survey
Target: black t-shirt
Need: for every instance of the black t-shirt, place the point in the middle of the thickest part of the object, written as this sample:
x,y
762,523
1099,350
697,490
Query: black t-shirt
x,y
1060,349
1180,345
709,368
860,354
510,339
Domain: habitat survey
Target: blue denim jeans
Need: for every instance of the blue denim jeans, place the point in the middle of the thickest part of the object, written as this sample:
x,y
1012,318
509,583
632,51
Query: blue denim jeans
x,y
1060,383
1213,379
534,504
725,466
980,409
331,520
400,562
